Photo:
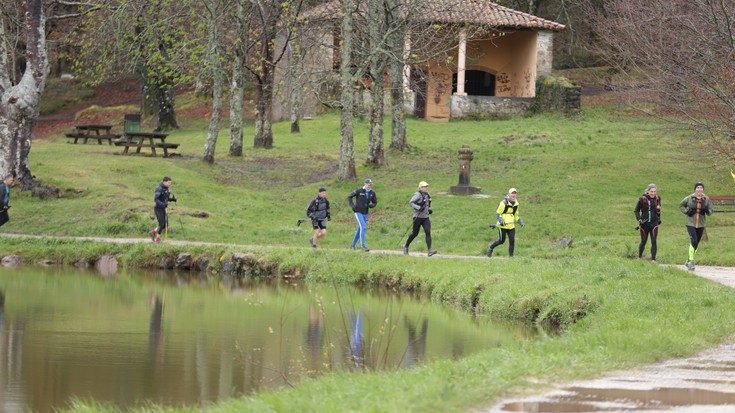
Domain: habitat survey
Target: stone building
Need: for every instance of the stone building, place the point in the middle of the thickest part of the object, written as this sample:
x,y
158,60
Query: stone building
x,y
489,71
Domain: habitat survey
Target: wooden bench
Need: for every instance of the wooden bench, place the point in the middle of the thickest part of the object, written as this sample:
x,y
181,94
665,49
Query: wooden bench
x,y
722,200
99,138
153,146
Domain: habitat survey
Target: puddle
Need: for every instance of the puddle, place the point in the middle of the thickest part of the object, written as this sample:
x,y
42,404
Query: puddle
x,y
581,399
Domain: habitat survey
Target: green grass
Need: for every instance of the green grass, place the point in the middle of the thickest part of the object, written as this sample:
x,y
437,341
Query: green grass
x,y
577,177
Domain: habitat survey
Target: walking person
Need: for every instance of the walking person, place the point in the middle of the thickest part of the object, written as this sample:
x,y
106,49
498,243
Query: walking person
x,y
421,204
696,207
361,200
648,213
5,199
318,211
507,217
162,198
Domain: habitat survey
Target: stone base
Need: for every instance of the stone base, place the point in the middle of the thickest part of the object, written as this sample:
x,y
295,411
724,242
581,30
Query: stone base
x,y
464,190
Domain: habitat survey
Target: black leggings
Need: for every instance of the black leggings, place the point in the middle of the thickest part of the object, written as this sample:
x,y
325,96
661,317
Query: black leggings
x,y
4,217
161,217
646,231
695,235
417,224
511,234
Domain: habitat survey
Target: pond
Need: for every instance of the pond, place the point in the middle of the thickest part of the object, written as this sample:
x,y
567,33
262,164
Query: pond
x,y
178,339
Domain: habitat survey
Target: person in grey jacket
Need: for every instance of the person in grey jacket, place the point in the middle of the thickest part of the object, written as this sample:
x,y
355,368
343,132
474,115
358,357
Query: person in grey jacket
x,y
421,204
319,213
695,206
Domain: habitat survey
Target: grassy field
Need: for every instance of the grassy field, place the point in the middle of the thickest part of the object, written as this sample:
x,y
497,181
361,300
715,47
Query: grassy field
x,y
577,177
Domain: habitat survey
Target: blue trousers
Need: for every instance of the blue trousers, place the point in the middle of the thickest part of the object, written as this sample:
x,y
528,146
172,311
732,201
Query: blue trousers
x,y
361,228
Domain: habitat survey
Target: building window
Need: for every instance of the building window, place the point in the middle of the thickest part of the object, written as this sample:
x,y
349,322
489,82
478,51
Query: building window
x,y
477,83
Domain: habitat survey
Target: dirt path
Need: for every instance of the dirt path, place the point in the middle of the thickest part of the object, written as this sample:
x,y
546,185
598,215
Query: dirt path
x,y
704,383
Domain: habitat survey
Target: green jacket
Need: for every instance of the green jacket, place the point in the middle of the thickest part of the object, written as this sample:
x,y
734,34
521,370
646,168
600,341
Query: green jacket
x,y
696,210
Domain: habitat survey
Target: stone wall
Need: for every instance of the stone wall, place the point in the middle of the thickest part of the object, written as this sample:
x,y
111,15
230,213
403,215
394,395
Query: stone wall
x,y
557,94
488,107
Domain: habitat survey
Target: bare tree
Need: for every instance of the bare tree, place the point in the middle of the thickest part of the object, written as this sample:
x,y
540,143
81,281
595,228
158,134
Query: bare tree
x,y
213,59
237,84
347,139
269,17
679,54
20,99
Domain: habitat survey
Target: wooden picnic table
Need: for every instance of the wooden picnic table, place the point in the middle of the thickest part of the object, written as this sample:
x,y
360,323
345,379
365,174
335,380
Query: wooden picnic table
x,y
140,140
96,132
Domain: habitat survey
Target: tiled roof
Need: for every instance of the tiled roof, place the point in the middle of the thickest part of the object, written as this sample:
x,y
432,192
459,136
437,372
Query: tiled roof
x,y
479,12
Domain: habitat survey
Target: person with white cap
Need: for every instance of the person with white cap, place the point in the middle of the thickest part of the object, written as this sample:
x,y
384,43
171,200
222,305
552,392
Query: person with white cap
x,y
361,200
421,204
507,217
695,206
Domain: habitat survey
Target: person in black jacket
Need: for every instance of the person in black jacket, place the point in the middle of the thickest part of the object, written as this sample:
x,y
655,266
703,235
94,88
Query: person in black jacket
x,y
5,199
162,198
360,201
648,213
318,211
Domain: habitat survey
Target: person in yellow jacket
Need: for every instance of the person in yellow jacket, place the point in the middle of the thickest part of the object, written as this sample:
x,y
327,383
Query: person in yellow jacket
x,y
507,218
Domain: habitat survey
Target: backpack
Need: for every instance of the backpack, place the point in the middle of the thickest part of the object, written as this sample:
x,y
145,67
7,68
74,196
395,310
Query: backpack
x,y
507,207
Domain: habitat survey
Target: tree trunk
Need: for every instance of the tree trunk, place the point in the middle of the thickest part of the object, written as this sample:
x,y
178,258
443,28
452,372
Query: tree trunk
x,y
398,118
237,89
19,104
263,108
236,107
376,21
346,141
376,154
296,72
217,86
398,140
264,97
166,112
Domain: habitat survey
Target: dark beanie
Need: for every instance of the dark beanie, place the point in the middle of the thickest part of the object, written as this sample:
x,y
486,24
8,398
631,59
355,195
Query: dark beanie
x,y
698,184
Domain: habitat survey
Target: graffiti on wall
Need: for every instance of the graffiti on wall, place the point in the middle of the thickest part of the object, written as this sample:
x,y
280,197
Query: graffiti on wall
x,y
503,83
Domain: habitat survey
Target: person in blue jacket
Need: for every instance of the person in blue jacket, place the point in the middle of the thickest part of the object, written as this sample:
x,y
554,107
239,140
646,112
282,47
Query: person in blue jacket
x,y
5,199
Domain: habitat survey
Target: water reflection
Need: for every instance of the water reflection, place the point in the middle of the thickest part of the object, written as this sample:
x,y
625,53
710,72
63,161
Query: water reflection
x,y
356,357
174,339
416,343
155,336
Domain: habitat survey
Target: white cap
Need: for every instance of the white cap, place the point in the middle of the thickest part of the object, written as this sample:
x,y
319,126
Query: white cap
x,y
511,190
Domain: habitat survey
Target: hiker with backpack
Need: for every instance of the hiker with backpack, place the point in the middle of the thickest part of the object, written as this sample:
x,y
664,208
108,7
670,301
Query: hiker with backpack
x,y
648,213
506,216
695,206
319,213
421,204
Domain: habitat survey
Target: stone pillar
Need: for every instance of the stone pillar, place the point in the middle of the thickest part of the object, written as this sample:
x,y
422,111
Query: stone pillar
x,y
463,188
544,53
461,61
